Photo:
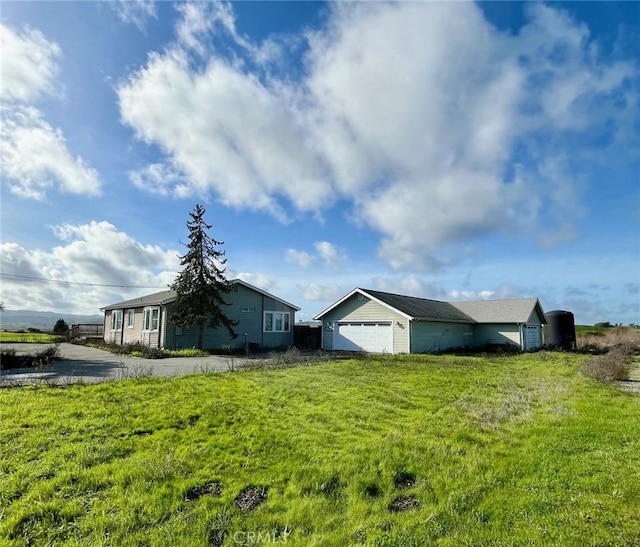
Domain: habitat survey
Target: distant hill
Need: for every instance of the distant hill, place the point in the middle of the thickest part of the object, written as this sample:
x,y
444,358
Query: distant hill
x,y
44,320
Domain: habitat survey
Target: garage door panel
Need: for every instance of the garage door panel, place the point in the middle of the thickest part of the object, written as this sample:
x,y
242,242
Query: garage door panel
x,y
371,337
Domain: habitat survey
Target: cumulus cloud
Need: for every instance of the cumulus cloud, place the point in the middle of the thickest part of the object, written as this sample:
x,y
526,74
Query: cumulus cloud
x,y
34,156
29,64
301,258
330,254
316,292
161,179
95,253
325,252
430,152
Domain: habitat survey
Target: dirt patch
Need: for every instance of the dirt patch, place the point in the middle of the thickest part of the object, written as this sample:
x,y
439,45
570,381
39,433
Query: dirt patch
x,y
250,497
407,503
404,480
209,489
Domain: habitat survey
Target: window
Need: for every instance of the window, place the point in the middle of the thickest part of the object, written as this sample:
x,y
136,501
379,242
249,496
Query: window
x,y
116,320
276,321
131,318
150,319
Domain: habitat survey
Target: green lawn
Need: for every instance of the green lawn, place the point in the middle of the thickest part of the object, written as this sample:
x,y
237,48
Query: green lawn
x,y
519,450
29,337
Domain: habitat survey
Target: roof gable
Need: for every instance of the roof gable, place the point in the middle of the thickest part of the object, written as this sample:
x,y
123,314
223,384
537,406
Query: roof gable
x,y
166,297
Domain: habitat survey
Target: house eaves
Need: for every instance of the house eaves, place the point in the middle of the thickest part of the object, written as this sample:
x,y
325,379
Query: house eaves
x,y
166,297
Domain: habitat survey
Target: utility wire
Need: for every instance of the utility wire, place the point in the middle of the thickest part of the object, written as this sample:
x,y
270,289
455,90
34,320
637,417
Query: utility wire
x,y
61,282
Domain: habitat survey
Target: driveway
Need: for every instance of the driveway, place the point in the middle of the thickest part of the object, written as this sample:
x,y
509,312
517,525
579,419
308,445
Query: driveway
x,y
91,365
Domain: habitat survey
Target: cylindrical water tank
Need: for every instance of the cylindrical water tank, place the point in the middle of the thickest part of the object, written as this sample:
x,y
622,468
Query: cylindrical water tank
x,y
560,331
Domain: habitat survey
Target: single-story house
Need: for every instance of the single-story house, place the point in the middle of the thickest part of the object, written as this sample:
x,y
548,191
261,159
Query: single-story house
x,y
264,321
381,322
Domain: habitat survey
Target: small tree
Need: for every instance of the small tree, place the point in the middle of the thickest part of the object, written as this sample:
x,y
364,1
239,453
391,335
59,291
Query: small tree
x,y
61,328
201,285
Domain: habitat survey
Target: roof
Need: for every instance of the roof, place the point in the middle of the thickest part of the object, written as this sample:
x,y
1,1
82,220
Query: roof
x,y
421,308
482,311
166,297
516,310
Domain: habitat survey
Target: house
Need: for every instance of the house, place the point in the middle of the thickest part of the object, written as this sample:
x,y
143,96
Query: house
x,y
381,322
264,321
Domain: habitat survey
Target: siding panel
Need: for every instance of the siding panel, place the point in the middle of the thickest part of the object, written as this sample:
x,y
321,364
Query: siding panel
x,y
499,333
428,336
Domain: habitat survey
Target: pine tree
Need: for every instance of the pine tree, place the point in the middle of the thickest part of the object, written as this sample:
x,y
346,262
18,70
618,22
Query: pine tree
x,y
60,328
201,285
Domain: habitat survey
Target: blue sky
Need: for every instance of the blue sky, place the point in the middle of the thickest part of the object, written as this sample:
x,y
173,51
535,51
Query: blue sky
x,y
454,151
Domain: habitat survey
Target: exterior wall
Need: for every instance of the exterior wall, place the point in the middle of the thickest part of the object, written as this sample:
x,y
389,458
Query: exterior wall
x,y
247,307
366,309
131,335
430,336
497,333
110,336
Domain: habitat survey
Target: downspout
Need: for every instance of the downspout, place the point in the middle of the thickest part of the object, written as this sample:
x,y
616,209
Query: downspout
x,y
262,324
121,329
104,326
409,326
160,325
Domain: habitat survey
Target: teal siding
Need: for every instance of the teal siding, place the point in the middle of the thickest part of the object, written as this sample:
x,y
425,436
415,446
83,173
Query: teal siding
x,y
365,309
247,307
427,336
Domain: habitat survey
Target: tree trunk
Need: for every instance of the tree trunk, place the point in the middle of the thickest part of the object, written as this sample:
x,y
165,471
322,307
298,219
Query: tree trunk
x,y
200,335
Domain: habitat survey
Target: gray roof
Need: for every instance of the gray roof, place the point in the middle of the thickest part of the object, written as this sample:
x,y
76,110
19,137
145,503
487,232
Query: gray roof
x,y
166,297
421,308
155,299
515,310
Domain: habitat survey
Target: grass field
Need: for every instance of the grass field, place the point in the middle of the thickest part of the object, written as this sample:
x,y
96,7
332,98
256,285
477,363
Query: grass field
x,y
406,450
29,337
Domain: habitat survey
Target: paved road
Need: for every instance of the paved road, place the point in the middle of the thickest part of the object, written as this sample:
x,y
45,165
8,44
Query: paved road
x,y
90,365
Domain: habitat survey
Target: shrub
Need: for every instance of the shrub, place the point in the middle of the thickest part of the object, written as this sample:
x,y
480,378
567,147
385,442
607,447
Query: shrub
x,y
10,359
615,365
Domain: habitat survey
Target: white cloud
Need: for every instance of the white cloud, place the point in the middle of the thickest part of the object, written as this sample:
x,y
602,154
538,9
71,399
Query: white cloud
x,y
34,156
161,179
135,12
316,292
301,258
29,64
90,253
413,112
330,254
263,281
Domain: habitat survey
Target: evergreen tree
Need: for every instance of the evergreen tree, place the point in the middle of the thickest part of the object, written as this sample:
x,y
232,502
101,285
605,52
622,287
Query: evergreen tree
x,y
201,285
60,328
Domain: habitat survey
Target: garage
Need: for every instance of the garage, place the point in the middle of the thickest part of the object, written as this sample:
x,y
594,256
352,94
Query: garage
x,y
373,337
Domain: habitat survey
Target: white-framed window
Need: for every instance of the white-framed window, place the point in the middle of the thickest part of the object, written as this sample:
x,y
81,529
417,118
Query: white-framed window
x,y
150,318
116,320
276,321
131,318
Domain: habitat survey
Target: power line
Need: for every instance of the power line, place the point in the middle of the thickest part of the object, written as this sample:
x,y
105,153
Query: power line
x,y
62,282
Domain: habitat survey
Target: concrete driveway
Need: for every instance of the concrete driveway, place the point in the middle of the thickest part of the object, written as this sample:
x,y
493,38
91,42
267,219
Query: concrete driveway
x,y
91,365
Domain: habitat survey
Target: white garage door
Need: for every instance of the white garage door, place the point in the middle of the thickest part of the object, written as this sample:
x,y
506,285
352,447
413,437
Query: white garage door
x,y
532,338
371,337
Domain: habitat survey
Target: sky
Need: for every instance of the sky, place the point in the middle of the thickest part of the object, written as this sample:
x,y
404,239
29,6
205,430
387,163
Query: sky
x,y
454,151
